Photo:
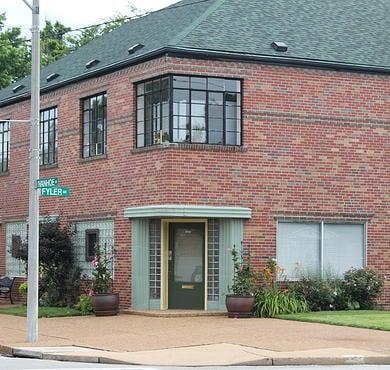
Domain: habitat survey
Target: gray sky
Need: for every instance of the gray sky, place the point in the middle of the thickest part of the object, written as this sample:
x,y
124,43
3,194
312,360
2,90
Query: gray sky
x,y
74,13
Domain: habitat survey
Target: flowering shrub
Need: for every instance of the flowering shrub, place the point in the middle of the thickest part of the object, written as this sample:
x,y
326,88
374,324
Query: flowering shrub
x,y
363,286
102,273
244,280
85,304
271,301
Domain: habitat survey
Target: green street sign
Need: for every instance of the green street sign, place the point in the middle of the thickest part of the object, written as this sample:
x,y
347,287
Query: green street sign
x,y
50,182
55,192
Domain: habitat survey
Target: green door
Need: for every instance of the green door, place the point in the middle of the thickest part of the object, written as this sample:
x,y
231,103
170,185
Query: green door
x,y
186,266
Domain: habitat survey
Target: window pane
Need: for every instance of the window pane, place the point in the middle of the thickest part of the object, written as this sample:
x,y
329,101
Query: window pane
x,y
198,110
181,109
215,137
199,83
181,122
216,111
198,123
198,136
233,138
140,89
232,125
140,141
149,87
181,82
216,98
216,124
298,248
343,247
180,135
233,112
217,84
198,97
233,85
165,83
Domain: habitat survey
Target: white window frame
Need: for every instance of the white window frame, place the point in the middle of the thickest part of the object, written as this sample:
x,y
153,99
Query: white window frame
x,y
322,222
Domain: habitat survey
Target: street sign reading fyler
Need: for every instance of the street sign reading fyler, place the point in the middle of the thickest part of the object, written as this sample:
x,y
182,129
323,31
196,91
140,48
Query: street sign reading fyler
x,y
55,192
50,182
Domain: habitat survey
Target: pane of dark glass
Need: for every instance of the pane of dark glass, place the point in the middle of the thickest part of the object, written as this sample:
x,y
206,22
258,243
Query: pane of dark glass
x,y
165,136
198,123
216,111
148,100
216,98
233,85
148,87
148,126
165,123
181,122
232,99
140,89
198,136
216,84
198,97
165,83
156,85
148,139
165,95
181,82
216,124
199,83
182,96
165,109
156,97
198,110
181,135
215,137
148,113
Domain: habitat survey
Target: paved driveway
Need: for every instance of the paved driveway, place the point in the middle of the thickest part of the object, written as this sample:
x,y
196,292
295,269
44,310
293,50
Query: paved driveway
x,y
137,333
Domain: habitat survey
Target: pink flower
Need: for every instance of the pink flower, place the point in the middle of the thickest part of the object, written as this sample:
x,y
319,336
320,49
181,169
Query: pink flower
x,y
90,292
95,262
241,268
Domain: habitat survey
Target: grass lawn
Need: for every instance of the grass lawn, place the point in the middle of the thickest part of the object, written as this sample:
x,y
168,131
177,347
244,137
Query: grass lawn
x,y
379,320
43,311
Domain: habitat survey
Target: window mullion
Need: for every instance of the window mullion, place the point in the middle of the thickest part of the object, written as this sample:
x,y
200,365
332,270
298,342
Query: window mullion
x,y
171,109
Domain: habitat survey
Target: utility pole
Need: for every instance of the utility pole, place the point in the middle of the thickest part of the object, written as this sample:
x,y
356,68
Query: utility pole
x,y
33,214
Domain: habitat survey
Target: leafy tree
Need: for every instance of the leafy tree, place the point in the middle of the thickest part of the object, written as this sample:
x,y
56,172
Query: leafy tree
x,y
54,44
59,277
14,54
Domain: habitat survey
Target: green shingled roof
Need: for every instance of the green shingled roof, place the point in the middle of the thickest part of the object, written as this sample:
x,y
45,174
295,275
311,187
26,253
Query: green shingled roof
x,y
353,33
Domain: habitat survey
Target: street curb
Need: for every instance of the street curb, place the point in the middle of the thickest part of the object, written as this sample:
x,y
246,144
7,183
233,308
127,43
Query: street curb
x,y
269,361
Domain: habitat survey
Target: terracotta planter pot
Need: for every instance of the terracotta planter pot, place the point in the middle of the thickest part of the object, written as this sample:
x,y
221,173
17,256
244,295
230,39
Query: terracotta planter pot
x,y
239,306
105,304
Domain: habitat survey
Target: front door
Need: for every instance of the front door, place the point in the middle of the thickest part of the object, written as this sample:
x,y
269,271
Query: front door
x,y
186,268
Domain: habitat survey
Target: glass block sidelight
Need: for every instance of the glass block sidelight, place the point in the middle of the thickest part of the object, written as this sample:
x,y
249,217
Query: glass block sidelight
x,y
213,260
105,241
15,267
154,258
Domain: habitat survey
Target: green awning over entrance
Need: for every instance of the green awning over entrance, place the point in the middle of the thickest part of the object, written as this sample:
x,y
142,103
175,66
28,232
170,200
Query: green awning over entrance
x,y
175,210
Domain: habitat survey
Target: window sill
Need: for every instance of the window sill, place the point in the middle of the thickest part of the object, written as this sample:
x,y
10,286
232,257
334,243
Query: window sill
x,y
4,173
185,146
91,159
48,166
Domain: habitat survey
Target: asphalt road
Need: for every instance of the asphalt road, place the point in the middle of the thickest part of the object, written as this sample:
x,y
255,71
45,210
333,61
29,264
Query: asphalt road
x,y
28,364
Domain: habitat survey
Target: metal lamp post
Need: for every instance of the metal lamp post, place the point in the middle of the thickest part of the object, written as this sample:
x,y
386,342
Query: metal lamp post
x,y
33,214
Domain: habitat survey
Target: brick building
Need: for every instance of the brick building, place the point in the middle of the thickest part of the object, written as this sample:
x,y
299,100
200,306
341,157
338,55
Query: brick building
x,y
212,124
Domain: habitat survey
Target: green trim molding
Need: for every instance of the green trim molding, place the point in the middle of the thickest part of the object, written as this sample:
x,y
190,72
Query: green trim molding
x,y
176,210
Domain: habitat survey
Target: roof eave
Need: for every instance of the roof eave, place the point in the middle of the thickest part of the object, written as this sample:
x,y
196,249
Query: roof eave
x,y
208,54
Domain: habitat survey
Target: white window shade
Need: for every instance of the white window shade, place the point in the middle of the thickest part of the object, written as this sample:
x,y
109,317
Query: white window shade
x,y
298,248
343,247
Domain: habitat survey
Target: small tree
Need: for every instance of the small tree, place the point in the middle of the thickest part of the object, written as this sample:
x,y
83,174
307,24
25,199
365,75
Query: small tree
x,y
59,277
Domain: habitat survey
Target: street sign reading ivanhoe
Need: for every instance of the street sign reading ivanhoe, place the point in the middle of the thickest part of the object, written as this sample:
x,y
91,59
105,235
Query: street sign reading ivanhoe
x,y
49,188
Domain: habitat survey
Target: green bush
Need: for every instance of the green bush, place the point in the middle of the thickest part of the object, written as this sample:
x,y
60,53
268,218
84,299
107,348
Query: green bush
x,y
85,304
321,294
273,302
23,289
363,286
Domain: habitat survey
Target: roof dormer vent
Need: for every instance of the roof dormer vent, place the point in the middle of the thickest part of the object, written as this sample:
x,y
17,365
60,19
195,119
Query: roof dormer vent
x,y
18,88
132,49
52,77
279,46
92,63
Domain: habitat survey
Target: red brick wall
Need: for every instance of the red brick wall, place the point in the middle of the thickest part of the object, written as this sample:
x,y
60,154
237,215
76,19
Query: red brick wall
x,y
2,249
315,146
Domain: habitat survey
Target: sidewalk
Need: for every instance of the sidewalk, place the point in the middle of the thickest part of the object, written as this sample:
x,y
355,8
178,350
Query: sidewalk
x,y
179,341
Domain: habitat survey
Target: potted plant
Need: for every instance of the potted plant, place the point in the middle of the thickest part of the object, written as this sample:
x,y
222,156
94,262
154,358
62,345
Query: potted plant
x,y
104,301
240,303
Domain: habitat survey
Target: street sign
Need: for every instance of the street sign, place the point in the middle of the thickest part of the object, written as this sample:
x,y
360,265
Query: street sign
x,y
50,182
55,192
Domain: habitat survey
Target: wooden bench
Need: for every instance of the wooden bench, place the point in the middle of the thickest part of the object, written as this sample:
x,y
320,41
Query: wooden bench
x,y
6,285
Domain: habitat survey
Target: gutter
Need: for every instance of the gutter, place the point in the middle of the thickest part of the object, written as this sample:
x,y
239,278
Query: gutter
x,y
208,54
